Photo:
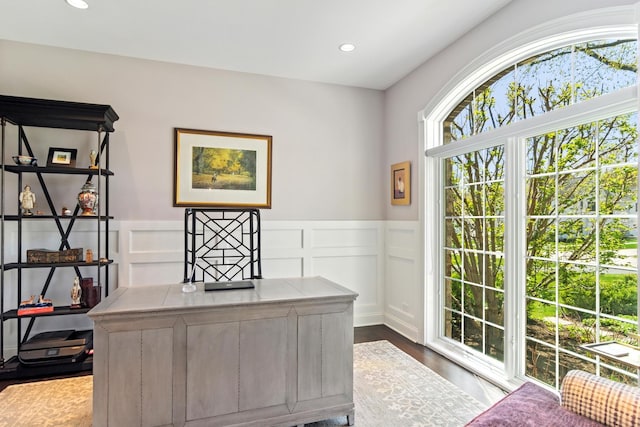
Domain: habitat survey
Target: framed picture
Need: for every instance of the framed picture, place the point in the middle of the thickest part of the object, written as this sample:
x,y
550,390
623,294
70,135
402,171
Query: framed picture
x,y
222,169
65,157
401,183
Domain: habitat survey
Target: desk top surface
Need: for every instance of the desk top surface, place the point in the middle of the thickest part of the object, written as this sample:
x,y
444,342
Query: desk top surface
x,y
165,298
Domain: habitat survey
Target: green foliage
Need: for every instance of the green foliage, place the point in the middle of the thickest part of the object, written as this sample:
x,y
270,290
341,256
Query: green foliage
x,y
569,173
216,161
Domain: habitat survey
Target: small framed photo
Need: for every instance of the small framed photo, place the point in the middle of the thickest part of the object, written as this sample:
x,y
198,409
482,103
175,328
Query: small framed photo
x,y
62,157
401,183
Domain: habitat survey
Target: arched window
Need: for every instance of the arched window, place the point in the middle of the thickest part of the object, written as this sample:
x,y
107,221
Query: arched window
x,y
536,174
543,83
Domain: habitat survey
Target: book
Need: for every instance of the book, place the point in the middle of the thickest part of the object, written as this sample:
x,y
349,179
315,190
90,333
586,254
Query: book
x,y
25,311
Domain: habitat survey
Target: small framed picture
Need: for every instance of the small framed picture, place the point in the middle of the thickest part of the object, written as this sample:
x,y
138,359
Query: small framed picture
x,y
401,183
62,157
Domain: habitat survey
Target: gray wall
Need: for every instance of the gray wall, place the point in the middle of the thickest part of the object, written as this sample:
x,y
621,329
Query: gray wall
x,y
327,139
413,93
333,145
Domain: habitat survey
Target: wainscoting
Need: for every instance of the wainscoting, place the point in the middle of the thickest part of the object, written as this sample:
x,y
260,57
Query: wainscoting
x,y
380,260
376,259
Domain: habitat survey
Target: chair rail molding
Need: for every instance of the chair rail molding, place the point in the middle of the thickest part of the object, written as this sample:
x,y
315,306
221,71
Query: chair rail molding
x,y
351,253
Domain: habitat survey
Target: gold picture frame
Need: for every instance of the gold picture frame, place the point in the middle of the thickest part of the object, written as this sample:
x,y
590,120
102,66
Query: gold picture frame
x,y
401,183
222,169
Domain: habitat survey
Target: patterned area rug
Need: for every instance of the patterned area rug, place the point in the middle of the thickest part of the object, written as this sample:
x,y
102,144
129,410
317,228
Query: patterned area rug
x,y
390,389
64,402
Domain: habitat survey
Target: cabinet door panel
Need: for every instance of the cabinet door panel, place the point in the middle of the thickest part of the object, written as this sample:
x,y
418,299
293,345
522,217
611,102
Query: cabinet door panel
x,y
335,354
212,370
124,394
157,377
309,357
263,363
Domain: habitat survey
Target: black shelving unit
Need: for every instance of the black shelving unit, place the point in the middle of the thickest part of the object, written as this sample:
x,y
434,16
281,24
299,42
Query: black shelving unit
x,y
24,113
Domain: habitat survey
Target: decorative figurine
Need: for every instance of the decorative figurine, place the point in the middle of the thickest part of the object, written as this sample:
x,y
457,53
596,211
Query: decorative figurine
x,y
30,301
76,293
66,211
27,200
44,301
92,158
89,256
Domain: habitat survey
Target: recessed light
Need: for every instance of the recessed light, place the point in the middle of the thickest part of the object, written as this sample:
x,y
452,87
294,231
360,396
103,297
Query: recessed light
x,y
80,4
347,47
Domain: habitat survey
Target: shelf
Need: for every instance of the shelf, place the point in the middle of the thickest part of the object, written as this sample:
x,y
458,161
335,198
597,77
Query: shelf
x,y
32,217
57,114
14,265
63,310
14,369
56,170
45,113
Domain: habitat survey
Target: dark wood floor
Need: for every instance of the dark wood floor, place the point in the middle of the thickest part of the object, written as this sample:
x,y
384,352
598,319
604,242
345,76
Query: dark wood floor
x,y
444,367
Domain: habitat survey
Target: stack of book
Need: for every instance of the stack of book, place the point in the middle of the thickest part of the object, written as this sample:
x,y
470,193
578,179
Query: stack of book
x,y
30,307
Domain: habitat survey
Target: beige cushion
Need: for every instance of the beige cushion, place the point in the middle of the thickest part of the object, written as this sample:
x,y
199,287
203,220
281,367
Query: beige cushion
x,y
605,401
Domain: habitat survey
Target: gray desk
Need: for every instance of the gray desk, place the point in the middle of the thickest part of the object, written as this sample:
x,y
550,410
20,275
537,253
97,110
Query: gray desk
x,y
280,354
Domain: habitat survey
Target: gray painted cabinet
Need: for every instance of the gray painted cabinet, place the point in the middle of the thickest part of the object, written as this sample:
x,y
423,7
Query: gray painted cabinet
x,y
280,354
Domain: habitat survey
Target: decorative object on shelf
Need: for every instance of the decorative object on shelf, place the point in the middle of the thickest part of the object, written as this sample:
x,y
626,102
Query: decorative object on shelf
x,y
92,159
88,199
30,306
65,211
90,294
89,256
25,160
30,301
47,256
76,293
233,168
93,296
27,200
62,157
401,183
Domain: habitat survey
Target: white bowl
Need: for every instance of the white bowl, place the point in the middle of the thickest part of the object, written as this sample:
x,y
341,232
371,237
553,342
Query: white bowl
x,y
25,160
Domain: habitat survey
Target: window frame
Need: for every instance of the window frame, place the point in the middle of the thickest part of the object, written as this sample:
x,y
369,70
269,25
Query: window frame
x,y
511,373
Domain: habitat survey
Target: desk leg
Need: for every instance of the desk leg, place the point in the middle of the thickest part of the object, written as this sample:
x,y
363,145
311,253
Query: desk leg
x,y
351,418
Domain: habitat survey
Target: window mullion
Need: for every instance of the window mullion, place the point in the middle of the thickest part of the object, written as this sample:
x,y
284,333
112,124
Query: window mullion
x,y
514,265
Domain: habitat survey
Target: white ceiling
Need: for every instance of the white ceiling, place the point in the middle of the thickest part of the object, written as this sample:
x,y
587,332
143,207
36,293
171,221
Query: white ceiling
x,y
288,38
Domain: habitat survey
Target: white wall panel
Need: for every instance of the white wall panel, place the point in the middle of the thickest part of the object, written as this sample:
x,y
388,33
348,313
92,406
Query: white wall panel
x,y
279,237
344,238
153,273
404,293
282,267
357,273
348,252
151,240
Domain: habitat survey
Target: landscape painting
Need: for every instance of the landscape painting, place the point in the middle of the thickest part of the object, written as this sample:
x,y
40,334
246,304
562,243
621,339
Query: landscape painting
x,y
217,169
223,168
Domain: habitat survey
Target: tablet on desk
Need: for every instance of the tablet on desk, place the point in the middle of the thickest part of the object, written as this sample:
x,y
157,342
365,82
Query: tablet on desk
x,y
223,286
